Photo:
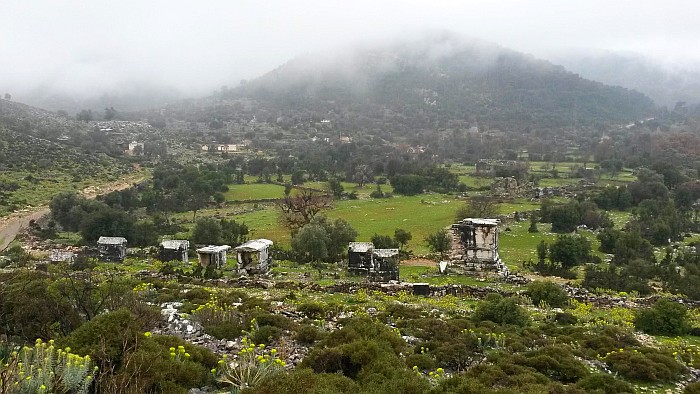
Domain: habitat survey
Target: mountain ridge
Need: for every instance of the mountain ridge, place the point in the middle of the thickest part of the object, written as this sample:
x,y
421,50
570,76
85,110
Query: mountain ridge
x,y
431,82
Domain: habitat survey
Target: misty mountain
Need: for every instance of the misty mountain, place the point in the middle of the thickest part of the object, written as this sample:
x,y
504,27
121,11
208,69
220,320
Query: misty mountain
x,y
665,84
129,98
438,81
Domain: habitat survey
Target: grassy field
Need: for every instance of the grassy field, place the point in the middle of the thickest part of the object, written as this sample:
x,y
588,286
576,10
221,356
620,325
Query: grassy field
x,y
421,215
254,191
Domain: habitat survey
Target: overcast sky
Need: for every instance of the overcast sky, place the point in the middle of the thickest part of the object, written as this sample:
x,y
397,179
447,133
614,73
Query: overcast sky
x,y
84,47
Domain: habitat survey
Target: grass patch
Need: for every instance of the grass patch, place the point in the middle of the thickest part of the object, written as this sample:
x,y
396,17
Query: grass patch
x,y
253,191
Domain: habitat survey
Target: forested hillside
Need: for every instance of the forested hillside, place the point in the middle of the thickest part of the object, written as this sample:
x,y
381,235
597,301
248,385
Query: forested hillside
x,y
42,153
437,82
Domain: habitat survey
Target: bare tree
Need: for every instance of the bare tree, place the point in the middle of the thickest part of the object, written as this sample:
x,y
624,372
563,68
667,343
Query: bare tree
x,y
477,207
299,209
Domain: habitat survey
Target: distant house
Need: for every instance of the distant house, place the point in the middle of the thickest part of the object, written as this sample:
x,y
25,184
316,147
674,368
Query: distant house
x,y
360,257
135,148
112,248
214,255
345,139
175,249
254,256
227,148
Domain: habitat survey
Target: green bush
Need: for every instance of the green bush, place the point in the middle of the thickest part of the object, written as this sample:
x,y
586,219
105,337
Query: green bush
x,y
135,361
224,330
556,362
692,388
270,319
254,304
422,361
565,318
501,310
608,339
666,317
602,383
401,311
501,377
549,292
308,334
647,365
266,334
304,380
312,310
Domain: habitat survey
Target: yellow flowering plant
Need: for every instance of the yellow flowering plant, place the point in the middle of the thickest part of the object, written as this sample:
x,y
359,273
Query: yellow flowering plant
x,y
45,369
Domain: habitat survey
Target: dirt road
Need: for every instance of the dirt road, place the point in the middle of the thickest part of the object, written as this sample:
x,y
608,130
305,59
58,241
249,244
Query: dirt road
x,y
13,224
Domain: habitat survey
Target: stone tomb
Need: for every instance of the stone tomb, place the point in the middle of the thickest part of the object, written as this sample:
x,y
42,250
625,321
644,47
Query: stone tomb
x,y
475,245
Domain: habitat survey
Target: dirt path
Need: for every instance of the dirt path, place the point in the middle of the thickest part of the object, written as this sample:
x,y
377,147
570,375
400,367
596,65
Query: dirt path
x,y
13,224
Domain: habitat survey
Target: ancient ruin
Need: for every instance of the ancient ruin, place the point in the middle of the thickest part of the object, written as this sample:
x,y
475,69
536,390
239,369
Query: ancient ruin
x,y
475,246
174,250
360,258
385,266
111,248
380,265
254,257
212,255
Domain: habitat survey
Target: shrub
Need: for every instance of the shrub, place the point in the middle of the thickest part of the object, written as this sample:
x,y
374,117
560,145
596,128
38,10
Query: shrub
x,y
270,319
265,334
43,368
254,303
252,364
364,328
664,318
224,330
604,384
647,365
401,311
608,339
304,380
501,310
308,334
138,362
312,310
565,318
556,362
549,292
422,361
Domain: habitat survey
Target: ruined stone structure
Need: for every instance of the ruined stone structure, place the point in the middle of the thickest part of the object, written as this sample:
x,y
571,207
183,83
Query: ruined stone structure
x,y
111,248
489,167
254,257
61,256
385,266
174,250
380,265
475,245
507,185
360,257
214,255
